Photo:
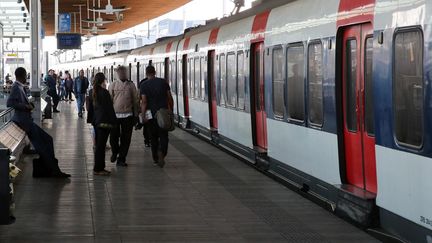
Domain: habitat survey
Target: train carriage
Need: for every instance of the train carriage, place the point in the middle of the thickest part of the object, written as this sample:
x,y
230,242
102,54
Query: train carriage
x,y
333,99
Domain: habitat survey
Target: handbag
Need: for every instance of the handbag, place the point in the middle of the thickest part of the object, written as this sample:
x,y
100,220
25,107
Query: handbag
x,y
165,119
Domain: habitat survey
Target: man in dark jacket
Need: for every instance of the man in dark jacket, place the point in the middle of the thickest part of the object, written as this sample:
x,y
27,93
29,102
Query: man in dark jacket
x,y
81,85
52,89
47,164
155,95
146,127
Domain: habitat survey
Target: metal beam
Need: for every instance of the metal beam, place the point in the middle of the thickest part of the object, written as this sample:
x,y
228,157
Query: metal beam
x,y
11,8
16,24
20,14
14,21
11,1
18,37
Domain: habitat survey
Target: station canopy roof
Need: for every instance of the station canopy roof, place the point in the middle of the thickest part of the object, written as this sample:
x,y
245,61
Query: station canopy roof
x,y
139,11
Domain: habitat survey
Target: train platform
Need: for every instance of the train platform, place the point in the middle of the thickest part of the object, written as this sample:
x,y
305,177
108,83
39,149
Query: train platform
x,y
202,195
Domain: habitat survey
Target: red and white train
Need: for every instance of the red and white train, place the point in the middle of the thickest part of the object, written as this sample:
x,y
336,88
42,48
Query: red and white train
x,y
333,97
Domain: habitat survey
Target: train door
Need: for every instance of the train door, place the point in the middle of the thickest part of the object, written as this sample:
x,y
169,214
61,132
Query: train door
x,y
258,111
129,71
212,90
166,68
185,86
359,137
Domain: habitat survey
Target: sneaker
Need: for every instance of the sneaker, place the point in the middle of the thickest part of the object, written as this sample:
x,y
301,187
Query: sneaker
x,y
56,111
80,115
60,175
122,164
102,173
113,158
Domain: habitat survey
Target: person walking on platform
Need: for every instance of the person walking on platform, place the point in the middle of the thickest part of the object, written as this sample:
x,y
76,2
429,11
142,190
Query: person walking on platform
x,y
144,126
62,93
81,85
102,116
59,79
47,164
50,81
156,95
125,98
69,84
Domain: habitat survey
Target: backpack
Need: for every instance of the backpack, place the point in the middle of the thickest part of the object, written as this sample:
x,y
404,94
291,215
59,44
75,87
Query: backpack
x,y
165,119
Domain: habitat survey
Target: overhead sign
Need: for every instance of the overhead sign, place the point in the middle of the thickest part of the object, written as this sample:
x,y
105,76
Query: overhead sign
x,y
64,22
13,61
68,41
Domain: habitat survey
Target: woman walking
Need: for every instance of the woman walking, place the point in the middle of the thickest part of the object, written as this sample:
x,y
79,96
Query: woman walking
x,y
69,87
103,118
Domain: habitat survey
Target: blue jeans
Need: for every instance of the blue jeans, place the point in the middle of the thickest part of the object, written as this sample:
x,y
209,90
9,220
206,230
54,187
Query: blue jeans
x,y
80,102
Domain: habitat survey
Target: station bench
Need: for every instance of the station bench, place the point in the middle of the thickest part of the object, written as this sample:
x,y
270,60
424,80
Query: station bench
x,y
13,140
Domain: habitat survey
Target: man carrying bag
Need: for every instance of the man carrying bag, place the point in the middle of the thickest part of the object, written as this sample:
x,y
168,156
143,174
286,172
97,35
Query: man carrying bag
x,y
156,97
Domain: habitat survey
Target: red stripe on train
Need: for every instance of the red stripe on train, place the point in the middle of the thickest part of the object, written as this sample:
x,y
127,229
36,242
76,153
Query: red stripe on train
x,y
355,12
168,47
186,43
259,26
213,36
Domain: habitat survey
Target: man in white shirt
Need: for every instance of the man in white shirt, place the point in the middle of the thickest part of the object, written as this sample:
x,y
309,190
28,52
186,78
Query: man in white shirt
x,y
125,99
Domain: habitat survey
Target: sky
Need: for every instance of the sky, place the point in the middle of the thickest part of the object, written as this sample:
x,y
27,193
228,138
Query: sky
x,y
195,10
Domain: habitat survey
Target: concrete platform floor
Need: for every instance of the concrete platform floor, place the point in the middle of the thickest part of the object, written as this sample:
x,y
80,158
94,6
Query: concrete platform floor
x,y
202,195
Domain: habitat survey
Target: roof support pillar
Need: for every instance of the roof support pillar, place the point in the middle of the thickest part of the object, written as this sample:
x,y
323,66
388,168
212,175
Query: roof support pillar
x,y
35,13
36,56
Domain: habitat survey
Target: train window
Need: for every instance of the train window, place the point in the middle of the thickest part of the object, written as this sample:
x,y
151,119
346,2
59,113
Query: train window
x,y
162,70
408,87
350,87
315,83
134,72
197,79
203,77
231,80
172,80
222,76
240,81
278,82
369,112
295,84
191,80
112,74
142,69
129,71
179,78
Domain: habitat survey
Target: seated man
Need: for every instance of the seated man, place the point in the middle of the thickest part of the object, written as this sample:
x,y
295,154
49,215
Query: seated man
x,y
47,164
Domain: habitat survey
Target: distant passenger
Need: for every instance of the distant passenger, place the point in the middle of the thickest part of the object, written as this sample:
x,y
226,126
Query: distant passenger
x,y
81,85
62,93
58,81
50,80
125,98
47,164
69,84
7,78
103,118
155,95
